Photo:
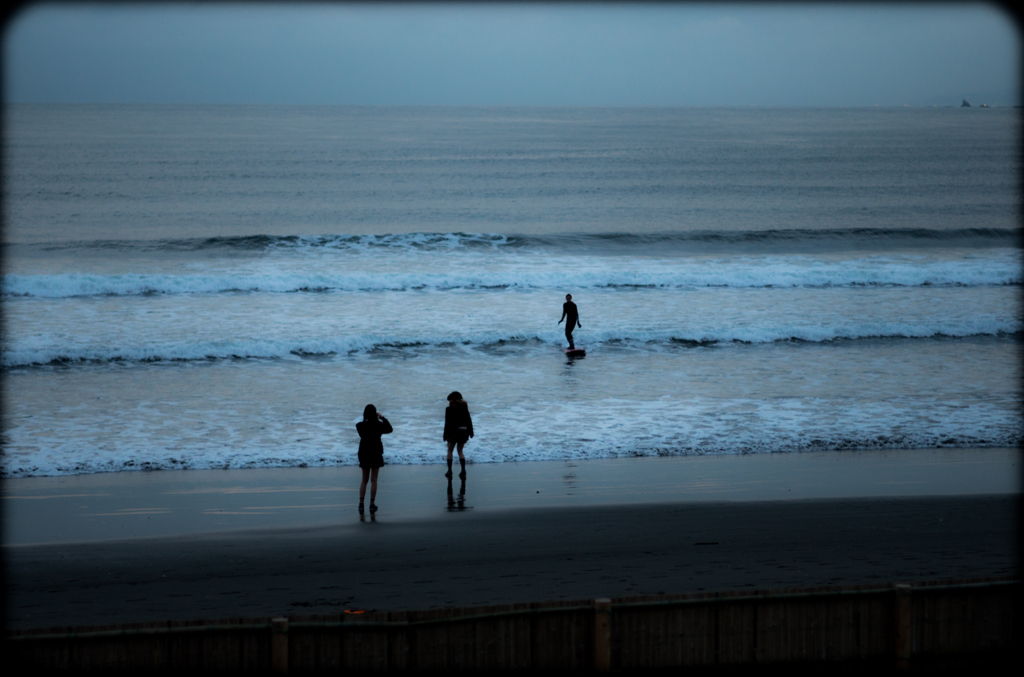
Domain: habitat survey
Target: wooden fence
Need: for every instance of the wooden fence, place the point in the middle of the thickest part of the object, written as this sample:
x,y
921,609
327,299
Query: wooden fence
x,y
894,625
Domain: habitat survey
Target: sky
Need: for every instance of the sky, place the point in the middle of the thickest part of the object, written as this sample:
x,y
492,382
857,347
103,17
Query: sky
x,y
513,54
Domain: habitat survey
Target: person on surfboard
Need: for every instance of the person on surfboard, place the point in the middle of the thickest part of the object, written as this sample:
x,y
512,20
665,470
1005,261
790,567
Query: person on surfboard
x,y
569,311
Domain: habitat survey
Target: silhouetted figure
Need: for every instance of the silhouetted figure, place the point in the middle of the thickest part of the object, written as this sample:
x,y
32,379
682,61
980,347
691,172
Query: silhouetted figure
x,y
460,502
570,313
371,451
458,428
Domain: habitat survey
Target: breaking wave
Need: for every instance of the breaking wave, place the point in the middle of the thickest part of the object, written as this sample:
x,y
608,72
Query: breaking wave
x,y
666,273
27,355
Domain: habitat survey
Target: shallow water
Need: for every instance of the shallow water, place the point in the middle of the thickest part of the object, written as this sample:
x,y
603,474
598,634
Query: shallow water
x,y
211,287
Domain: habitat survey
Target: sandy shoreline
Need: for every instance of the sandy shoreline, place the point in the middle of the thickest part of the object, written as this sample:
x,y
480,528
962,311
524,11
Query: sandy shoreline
x,y
493,557
179,503
621,527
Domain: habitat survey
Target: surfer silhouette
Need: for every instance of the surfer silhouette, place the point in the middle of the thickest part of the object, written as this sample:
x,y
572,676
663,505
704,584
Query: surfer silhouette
x,y
570,313
458,428
371,451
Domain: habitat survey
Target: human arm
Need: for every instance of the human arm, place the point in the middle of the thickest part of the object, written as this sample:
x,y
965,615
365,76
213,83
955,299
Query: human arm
x,y
385,426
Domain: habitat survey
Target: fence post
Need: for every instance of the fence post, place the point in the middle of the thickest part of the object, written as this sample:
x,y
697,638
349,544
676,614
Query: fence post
x,y
279,645
904,626
602,634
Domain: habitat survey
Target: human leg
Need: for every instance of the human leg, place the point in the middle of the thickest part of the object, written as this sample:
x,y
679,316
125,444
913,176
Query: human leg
x,y
568,336
462,460
451,446
373,489
362,488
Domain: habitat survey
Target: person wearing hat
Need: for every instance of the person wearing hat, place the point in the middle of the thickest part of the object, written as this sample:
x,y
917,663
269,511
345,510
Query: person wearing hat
x,y
458,428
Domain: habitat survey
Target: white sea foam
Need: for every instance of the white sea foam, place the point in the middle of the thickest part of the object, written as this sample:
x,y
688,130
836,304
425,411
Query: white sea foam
x,y
531,272
571,430
25,353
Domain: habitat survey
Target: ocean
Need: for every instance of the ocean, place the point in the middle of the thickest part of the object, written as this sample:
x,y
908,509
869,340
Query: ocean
x,y
192,287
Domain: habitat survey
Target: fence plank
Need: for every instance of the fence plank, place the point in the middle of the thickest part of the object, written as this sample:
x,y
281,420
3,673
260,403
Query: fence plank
x,y
810,625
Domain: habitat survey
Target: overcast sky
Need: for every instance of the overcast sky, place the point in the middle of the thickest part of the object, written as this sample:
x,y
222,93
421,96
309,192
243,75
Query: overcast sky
x,y
515,54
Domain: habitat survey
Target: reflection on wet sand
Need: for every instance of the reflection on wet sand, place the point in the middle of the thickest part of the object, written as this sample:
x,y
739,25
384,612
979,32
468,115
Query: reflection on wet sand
x,y
457,503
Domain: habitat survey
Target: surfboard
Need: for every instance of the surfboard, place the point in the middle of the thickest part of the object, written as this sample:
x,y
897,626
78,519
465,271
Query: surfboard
x,y
575,352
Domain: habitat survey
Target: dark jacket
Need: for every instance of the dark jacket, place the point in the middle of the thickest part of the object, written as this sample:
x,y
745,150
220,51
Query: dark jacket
x,y
458,426
371,450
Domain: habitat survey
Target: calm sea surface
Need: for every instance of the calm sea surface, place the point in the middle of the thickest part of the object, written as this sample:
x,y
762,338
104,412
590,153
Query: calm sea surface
x,y
227,287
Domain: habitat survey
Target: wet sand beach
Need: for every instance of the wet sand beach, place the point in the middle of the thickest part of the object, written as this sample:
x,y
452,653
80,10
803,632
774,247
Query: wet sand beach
x,y
111,506
621,527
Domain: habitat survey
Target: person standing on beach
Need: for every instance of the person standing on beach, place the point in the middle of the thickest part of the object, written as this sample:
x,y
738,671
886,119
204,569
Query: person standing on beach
x,y
570,312
458,428
371,451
